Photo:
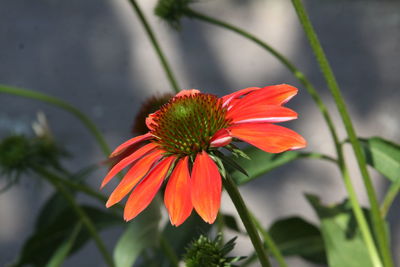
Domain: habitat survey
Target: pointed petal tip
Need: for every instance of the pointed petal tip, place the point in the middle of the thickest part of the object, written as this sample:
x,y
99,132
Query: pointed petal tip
x,y
109,203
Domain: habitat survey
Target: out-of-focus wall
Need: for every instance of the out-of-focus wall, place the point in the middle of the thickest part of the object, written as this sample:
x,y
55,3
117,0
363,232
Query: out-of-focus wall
x,y
95,55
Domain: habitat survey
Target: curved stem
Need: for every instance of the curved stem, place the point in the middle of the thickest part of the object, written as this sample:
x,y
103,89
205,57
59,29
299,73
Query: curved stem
x,y
156,46
270,242
377,219
389,197
244,214
61,104
54,180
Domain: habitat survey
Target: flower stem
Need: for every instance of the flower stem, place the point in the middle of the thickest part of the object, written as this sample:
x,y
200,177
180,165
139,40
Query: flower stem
x,y
61,104
156,46
54,180
377,219
269,242
390,196
244,214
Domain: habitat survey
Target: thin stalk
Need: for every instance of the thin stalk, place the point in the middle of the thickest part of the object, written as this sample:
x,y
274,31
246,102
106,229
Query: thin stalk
x,y
289,65
389,197
270,242
63,105
244,214
377,219
54,180
362,222
157,47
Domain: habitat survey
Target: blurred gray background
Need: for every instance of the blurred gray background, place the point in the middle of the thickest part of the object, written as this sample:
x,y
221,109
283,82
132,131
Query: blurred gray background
x,y
95,55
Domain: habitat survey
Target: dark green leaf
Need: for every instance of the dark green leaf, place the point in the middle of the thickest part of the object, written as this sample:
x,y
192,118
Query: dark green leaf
x,y
262,162
383,155
230,222
343,242
45,241
141,233
64,249
296,237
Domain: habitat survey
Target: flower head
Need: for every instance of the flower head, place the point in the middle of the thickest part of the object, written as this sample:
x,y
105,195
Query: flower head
x,y
182,135
211,253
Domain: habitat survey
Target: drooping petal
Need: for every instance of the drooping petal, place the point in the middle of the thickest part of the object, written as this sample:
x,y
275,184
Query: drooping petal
x,y
133,177
268,137
145,191
187,92
261,113
206,187
228,98
130,142
221,138
269,95
126,161
177,196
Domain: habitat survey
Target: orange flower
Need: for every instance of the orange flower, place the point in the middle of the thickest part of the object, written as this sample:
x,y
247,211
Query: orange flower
x,y
182,134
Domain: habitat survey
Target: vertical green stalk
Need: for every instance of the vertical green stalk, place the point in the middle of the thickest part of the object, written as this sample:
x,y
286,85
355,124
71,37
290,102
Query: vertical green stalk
x,y
53,179
377,219
61,104
245,216
156,46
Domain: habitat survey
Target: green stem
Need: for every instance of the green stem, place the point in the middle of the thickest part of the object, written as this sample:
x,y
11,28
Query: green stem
x,y
389,197
61,104
244,214
270,243
377,219
169,251
156,46
54,180
290,66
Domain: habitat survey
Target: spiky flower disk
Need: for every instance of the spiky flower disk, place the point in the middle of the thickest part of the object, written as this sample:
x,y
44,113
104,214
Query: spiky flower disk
x,y
185,125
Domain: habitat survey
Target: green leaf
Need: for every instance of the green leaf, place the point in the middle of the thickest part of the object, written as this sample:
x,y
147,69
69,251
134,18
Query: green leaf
x,y
262,162
343,242
230,222
141,233
45,241
296,237
383,155
64,249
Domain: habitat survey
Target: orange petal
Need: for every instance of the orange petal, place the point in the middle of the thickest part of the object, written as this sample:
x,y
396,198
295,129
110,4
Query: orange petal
x,y
126,161
130,142
133,176
261,113
221,138
177,196
270,95
206,187
228,98
268,137
144,192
